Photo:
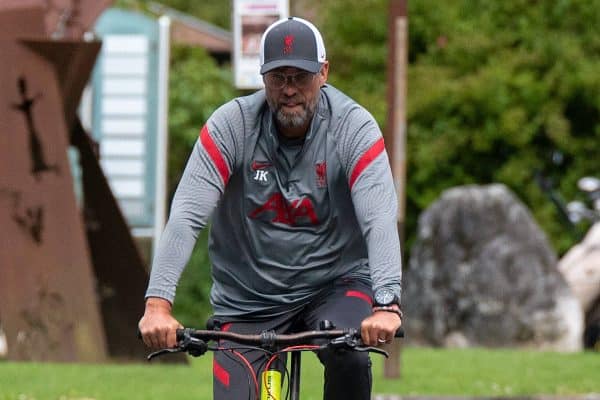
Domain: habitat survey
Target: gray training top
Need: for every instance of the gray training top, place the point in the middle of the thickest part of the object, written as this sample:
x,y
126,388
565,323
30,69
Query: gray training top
x,y
288,219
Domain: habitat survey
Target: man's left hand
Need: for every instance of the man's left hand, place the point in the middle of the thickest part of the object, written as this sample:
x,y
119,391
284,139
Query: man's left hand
x,y
380,328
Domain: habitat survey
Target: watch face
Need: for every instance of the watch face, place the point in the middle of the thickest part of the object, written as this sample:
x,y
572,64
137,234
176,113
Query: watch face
x,y
384,297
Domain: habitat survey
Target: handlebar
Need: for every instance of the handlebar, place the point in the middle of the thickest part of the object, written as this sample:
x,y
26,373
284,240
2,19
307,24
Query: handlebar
x,y
270,339
194,341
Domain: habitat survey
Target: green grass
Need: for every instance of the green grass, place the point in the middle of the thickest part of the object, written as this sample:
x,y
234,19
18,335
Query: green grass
x,y
474,372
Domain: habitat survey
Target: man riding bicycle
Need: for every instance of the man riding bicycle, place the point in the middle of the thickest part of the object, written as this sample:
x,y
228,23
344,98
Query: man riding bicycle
x,y
297,183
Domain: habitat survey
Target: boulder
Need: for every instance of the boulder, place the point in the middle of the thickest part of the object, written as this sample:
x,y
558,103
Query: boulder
x,y
482,273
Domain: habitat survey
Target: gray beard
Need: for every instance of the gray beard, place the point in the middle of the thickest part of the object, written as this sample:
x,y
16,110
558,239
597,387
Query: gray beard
x,y
293,120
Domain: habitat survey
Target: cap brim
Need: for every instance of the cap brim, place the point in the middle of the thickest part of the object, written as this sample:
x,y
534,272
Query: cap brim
x,y
310,66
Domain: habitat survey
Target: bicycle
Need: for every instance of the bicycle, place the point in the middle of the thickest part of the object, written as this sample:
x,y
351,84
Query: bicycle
x,y
195,342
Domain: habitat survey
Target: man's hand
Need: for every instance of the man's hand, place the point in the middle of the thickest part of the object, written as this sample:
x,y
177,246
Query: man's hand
x,y
158,326
380,327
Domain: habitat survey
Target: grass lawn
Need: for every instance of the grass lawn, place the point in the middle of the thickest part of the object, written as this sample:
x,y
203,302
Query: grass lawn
x,y
473,372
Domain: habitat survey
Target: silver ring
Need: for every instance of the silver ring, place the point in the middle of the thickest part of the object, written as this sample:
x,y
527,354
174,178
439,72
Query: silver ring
x,y
380,340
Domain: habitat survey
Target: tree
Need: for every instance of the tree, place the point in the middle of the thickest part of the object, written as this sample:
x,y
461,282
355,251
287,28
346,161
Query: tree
x,y
494,89
197,87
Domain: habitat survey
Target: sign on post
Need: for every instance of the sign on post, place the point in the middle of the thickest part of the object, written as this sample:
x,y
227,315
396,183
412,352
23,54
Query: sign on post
x,y
250,19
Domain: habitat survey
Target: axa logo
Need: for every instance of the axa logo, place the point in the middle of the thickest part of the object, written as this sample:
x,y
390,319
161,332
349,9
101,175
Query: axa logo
x,y
297,212
288,42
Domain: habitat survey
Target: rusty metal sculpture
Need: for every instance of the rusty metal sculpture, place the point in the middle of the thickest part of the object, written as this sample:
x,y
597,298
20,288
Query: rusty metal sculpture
x,y
70,290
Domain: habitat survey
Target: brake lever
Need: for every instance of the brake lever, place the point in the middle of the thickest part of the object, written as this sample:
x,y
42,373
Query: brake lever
x,y
372,349
163,351
349,341
193,346
346,341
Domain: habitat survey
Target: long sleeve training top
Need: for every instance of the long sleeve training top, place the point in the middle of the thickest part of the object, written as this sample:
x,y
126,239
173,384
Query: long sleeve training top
x,y
287,220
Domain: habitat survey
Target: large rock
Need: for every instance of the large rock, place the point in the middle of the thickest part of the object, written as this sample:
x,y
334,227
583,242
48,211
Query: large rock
x,y
482,273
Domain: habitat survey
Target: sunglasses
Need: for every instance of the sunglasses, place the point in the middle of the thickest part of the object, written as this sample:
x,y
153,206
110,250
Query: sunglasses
x,y
277,80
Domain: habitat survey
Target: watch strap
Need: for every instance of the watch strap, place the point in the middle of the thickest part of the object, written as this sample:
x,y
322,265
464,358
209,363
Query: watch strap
x,y
389,309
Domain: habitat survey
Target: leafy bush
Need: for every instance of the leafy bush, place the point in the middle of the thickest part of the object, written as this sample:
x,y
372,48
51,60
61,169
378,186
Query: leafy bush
x,y
197,87
494,88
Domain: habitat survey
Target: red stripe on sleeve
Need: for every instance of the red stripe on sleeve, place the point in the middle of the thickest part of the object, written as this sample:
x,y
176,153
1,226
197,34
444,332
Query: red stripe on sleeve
x,y
214,153
360,295
366,159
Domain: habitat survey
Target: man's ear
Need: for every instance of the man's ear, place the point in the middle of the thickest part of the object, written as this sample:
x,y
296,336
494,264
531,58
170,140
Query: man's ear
x,y
324,73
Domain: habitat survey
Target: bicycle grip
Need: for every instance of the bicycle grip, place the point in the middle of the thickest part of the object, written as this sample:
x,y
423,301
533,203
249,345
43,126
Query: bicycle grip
x,y
399,333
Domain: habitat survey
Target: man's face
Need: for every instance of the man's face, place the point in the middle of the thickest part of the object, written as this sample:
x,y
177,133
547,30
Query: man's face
x,y
293,94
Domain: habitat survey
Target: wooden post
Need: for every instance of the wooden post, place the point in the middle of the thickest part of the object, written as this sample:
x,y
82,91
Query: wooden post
x,y
396,133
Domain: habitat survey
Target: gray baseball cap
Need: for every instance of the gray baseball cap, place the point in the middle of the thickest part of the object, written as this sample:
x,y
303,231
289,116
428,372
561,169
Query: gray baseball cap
x,y
292,42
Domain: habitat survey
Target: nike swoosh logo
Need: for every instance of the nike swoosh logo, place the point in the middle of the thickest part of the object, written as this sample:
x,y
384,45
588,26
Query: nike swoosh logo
x,y
260,165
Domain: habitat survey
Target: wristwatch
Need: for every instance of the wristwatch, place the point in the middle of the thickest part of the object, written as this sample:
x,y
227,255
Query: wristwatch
x,y
385,297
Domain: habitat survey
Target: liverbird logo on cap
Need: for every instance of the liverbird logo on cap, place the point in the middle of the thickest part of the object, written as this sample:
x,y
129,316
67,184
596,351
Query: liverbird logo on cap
x,y
288,42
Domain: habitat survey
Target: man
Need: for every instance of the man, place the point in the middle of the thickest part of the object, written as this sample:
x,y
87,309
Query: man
x,y
298,185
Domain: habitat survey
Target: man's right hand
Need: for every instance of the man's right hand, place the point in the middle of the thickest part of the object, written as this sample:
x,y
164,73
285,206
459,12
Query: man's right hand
x,y
158,326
